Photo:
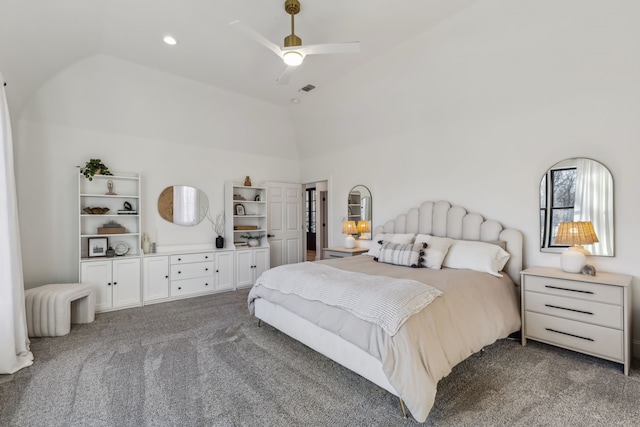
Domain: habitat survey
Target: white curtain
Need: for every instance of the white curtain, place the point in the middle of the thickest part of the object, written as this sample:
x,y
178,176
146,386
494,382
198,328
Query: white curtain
x,y
594,202
14,343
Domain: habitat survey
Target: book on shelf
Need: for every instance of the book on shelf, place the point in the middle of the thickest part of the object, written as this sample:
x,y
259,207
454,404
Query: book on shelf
x,y
127,212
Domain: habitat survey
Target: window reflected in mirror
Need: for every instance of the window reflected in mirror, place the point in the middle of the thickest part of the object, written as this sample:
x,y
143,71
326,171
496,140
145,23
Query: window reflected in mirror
x,y
577,189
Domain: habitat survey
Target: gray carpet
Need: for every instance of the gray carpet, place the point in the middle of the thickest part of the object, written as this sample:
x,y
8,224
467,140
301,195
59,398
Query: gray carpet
x,y
204,362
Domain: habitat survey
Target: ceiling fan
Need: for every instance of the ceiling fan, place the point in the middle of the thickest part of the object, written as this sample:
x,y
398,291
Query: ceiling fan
x,y
293,52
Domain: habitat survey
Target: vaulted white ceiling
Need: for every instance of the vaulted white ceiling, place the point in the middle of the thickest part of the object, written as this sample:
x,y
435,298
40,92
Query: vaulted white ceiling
x,y
38,38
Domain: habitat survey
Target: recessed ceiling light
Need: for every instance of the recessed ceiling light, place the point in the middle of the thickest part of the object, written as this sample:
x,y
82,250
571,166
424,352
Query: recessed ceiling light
x,y
171,41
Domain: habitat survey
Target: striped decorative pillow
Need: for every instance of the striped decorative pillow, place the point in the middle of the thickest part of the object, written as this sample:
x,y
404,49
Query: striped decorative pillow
x,y
409,255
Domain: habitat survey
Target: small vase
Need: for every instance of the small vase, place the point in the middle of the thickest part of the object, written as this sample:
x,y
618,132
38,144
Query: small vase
x,y
219,242
253,242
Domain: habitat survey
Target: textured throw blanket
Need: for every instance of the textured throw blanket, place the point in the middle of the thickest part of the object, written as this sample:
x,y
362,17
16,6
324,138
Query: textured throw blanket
x,y
384,301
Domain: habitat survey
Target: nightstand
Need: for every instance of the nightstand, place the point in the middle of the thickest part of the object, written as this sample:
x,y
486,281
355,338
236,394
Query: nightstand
x,y
588,314
341,252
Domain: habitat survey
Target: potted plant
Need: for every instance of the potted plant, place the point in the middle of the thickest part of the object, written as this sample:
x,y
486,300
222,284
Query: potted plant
x,y
253,239
217,225
94,167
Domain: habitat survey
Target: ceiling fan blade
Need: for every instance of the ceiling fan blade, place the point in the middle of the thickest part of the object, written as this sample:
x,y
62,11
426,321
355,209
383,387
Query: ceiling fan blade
x,y
315,49
286,75
257,37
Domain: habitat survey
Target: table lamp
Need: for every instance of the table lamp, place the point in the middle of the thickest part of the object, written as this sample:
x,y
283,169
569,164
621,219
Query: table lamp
x,y
349,228
575,234
363,227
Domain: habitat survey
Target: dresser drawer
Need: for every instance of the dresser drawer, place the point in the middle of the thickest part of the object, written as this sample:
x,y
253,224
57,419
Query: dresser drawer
x,y
574,289
583,337
188,258
189,271
596,313
192,286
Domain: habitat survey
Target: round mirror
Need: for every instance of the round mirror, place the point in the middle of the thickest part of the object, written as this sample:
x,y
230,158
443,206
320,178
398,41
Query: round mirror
x,y
359,210
183,205
572,190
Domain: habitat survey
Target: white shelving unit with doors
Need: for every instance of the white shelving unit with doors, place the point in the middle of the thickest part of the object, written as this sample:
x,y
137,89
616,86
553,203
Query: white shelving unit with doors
x,y
116,279
246,206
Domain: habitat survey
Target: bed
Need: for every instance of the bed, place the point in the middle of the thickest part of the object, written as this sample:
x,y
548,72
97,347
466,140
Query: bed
x,y
444,316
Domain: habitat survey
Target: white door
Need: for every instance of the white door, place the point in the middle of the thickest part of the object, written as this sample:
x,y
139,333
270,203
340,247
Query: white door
x,y
126,282
97,274
285,225
244,268
224,270
156,277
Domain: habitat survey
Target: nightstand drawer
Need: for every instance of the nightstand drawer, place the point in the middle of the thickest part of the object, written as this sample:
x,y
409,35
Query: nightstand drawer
x,y
595,340
574,289
335,254
596,313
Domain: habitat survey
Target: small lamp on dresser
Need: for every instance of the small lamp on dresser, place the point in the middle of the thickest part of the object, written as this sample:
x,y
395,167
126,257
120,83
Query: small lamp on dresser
x,y
363,228
575,234
349,228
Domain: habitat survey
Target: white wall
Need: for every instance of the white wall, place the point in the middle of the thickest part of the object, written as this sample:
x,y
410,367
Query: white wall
x,y
475,111
170,130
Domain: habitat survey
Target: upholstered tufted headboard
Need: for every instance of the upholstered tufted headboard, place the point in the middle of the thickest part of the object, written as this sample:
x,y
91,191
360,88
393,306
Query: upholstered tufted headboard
x,y
443,220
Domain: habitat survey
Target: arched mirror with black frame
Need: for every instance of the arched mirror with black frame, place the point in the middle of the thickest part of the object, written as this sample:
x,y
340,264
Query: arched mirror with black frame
x,y
577,189
359,209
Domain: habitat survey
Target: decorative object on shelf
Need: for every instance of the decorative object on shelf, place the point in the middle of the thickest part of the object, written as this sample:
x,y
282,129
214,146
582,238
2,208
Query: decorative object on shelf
x,y
153,247
239,209
217,225
146,245
111,227
363,228
127,209
96,211
110,189
257,198
121,248
111,252
349,228
245,227
247,181
252,239
238,197
589,270
97,246
94,167
576,234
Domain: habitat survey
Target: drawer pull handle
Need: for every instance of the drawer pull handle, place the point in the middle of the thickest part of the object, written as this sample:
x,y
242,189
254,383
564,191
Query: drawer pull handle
x,y
568,309
567,333
567,289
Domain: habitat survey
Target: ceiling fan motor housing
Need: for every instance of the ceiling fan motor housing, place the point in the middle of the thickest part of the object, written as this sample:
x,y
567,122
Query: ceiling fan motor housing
x,y
292,40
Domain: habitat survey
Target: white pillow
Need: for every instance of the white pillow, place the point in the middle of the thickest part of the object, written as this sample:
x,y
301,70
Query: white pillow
x,y
401,239
479,256
409,254
436,250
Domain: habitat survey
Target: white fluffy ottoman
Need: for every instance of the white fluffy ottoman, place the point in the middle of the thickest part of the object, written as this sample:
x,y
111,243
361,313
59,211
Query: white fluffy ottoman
x,y
51,309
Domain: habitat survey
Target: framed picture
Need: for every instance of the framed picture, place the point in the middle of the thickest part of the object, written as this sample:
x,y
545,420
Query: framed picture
x,y
239,209
98,246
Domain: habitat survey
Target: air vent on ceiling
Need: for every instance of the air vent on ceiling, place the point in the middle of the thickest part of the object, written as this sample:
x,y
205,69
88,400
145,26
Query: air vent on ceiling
x,y
308,88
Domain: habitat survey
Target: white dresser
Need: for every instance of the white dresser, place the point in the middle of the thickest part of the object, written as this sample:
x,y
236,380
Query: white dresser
x,y
588,314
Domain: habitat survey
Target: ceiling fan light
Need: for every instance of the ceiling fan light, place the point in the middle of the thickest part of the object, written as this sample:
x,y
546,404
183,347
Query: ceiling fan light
x,y
292,58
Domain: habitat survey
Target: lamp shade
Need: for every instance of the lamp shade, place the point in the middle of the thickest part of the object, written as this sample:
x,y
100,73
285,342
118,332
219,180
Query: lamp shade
x,y
575,234
349,228
364,227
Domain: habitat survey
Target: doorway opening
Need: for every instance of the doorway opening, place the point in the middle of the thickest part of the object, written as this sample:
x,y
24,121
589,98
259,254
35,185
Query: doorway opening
x,y
316,226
